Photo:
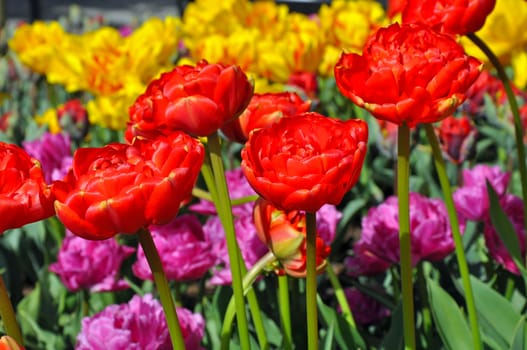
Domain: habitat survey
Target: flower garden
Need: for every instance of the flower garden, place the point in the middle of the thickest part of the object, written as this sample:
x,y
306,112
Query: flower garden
x,y
249,177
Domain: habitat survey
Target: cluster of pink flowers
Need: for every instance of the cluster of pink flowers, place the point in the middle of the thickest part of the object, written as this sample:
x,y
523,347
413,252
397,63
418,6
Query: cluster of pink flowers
x,y
91,265
366,310
378,247
53,151
471,199
138,325
472,202
192,258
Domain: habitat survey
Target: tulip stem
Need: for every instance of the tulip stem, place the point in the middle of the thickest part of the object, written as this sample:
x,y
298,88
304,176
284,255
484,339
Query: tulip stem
x,y
341,297
223,206
311,281
208,176
285,312
152,256
248,280
456,234
85,301
201,194
7,313
405,242
518,128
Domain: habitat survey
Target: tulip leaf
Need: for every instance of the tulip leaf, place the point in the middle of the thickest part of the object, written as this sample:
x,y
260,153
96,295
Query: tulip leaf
x,y
344,335
505,229
519,340
394,338
450,321
498,325
329,337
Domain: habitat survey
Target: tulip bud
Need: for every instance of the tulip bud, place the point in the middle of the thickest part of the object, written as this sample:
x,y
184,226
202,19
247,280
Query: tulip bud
x,y
456,137
8,343
284,232
73,118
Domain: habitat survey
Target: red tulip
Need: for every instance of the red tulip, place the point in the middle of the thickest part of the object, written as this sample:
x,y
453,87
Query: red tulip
x,y
407,74
456,136
121,188
304,162
284,232
306,82
394,7
449,16
197,100
263,111
24,195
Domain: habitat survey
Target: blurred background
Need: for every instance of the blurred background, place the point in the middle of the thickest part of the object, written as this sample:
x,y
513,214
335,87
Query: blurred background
x,y
115,12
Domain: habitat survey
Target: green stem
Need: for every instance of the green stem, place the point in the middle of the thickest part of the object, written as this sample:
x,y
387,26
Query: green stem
x,y
518,128
7,313
223,206
208,176
201,194
456,234
85,296
248,280
341,297
509,288
425,308
285,311
152,256
243,200
311,281
403,194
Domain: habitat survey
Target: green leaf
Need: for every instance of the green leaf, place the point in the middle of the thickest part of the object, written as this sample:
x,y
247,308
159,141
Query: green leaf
x,y
344,335
394,338
503,322
518,342
505,229
328,340
450,321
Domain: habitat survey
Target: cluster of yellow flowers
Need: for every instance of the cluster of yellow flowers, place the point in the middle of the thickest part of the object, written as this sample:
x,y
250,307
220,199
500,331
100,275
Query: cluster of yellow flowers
x,y
113,68
267,40
505,32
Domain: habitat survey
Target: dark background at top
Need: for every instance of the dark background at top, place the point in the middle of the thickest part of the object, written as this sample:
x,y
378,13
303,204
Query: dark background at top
x,y
119,11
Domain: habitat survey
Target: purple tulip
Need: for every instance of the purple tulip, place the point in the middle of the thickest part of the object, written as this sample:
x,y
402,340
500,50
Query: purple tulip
x,y
365,309
430,233
138,325
471,199
513,207
251,247
53,151
185,251
91,265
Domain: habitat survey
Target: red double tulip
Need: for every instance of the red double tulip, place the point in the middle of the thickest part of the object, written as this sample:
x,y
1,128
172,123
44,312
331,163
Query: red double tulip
x,y
449,16
24,195
304,162
264,110
284,232
456,137
407,74
195,99
121,188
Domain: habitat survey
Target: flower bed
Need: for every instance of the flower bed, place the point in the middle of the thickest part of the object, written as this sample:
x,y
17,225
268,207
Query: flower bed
x,y
250,177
